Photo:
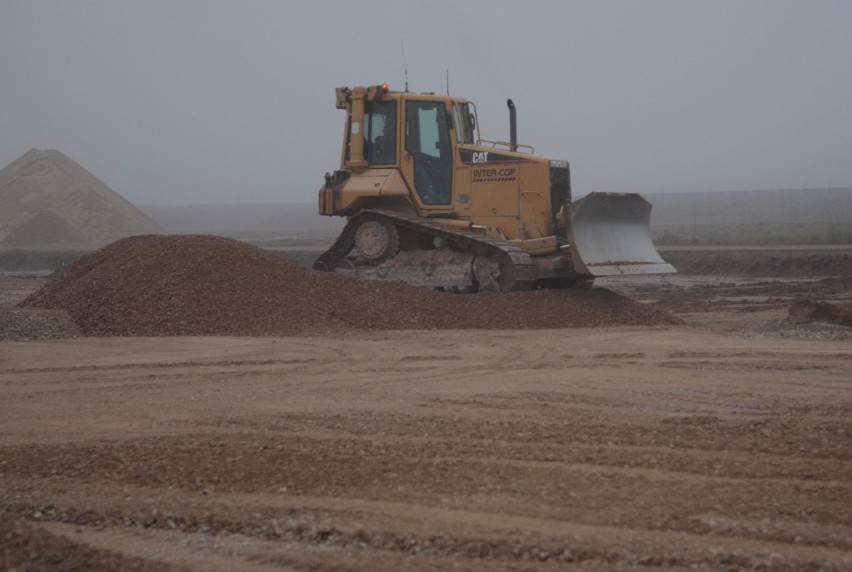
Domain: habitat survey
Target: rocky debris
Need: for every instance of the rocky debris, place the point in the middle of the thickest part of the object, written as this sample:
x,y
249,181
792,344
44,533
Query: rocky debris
x,y
26,547
17,286
21,324
46,199
209,285
808,311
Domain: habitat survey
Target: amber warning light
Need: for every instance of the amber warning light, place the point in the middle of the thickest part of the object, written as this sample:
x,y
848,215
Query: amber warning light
x,y
383,88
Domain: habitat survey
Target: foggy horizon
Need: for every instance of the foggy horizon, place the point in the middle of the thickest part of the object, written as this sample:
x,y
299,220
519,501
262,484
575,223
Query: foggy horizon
x,y
233,103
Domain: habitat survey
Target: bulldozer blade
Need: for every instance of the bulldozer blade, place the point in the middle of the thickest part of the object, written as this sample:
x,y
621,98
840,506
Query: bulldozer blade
x,y
611,236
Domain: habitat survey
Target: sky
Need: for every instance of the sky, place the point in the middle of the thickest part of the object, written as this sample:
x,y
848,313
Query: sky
x,y
176,102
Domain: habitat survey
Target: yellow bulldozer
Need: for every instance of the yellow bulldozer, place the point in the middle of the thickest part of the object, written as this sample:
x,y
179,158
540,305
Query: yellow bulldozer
x,y
431,204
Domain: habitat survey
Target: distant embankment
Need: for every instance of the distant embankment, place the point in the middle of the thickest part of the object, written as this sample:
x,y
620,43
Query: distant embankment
x,y
804,216
787,206
779,261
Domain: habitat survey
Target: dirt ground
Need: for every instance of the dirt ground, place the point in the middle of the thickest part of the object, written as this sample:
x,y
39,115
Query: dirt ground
x,y
723,443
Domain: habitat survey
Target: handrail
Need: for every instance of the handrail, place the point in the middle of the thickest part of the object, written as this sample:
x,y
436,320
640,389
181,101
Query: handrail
x,y
506,145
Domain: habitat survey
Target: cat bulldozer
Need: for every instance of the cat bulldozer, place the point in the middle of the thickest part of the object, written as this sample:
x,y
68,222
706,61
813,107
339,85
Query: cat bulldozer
x,y
431,204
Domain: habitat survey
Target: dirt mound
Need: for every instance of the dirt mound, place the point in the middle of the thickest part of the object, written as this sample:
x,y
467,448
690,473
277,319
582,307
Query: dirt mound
x,y
196,285
807,311
50,182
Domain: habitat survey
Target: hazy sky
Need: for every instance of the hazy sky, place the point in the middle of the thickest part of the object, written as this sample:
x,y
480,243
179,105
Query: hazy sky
x,y
182,102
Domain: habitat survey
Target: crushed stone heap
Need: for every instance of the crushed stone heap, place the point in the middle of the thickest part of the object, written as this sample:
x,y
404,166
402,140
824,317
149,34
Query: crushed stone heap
x,y
208,285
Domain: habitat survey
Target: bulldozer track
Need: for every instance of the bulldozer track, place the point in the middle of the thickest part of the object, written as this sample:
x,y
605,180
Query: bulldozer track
x,y
522,265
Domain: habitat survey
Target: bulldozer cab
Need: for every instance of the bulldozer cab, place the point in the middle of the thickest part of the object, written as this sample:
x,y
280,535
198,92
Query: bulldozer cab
x,y
414,134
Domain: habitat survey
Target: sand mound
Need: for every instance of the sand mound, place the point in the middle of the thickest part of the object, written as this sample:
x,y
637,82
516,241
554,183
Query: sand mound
x,y
196,285
48,199
45,228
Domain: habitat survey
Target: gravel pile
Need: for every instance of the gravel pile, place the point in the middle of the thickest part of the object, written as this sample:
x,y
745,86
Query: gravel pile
x,y
23,324
206,285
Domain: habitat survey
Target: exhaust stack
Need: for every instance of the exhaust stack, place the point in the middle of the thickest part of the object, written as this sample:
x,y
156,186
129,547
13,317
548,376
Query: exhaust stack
x,y
513,125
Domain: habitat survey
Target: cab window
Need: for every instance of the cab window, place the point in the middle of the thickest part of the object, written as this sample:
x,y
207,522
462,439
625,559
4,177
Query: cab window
x,y
427,139
380,132
462,123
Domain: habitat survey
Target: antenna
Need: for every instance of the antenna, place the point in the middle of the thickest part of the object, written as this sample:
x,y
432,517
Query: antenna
x,y
448,82
404,64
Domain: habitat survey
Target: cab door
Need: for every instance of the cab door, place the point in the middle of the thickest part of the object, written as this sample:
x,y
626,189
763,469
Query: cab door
x,y
429,153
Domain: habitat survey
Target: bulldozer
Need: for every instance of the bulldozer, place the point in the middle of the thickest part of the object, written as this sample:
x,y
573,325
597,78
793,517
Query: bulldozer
x,y
432,204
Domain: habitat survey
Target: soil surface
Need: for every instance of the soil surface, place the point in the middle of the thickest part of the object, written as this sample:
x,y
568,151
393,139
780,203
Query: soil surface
x,y
718,443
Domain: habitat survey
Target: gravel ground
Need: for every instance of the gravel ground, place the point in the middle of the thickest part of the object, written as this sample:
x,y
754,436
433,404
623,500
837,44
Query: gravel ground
x,y
614,448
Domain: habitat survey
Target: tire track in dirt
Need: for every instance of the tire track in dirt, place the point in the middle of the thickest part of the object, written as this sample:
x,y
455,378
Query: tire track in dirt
x,y
413,450
473,537
349,469
688,463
